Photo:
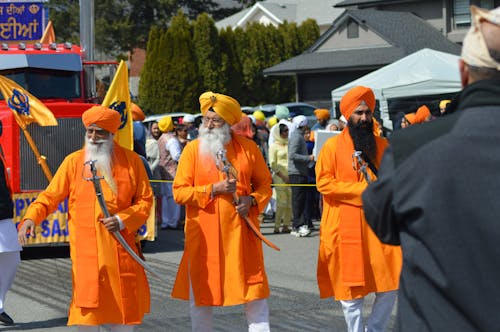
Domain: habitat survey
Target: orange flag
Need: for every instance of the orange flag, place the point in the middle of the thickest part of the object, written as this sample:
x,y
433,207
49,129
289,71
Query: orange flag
x,y
49,36
26,107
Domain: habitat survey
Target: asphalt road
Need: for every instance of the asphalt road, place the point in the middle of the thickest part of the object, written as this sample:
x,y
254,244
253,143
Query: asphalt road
x,y
39,298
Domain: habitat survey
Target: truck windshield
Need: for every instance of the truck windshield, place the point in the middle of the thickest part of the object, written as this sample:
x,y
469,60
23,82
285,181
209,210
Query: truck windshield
x,y
47,84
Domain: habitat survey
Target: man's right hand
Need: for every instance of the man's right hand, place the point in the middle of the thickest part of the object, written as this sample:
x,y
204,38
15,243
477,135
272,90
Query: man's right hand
x,y
224,187
27,228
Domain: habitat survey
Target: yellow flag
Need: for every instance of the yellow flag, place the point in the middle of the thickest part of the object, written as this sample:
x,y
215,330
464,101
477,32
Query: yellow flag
x,y
118,99
49,36
26,107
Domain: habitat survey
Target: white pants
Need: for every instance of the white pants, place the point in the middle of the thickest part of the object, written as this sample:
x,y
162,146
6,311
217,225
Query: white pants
x,y
256,312
381,312
8,266
113,328
170,211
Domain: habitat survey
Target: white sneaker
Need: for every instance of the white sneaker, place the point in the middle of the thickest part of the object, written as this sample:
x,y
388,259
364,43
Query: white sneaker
x,y
295,232
304,231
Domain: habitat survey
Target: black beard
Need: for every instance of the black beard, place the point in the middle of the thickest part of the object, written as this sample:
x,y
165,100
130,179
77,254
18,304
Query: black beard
x,y
363,139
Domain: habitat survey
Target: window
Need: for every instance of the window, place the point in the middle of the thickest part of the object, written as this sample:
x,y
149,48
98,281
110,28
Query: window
x,y
352,29
461,11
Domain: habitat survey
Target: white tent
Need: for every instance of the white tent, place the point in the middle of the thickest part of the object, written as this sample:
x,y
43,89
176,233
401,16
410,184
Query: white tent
x,y
425,72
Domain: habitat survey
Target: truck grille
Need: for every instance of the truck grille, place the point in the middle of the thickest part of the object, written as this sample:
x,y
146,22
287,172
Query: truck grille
x,y
53,142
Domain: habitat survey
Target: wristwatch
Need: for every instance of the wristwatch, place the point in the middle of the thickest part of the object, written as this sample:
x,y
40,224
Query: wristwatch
x,y
254,201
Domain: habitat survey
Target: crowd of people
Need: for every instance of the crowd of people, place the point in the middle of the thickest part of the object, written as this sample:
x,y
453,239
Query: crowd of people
x,y
411,218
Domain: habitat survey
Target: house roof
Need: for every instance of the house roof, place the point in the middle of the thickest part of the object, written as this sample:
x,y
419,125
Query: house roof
x,y
323,11
388,25
346,3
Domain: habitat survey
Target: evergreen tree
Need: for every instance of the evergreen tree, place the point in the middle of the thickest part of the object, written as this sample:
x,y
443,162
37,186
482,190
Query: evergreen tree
x,y
308,33
232,79
181,84
208,54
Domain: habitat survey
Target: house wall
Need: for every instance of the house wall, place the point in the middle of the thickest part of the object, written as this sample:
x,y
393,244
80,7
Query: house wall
x,y
340,41
316,89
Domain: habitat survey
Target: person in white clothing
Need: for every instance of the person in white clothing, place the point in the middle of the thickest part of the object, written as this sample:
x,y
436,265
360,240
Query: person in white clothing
x,y
9,246
169,149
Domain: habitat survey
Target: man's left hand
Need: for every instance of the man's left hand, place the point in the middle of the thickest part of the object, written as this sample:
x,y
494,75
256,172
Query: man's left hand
x,y
244,205
112,224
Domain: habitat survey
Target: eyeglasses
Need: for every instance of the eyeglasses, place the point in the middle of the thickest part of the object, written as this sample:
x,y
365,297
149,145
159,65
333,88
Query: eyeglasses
x,y
97,132
215,121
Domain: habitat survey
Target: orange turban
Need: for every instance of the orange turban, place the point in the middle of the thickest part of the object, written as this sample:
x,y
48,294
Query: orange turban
x,y
422,114
322,114
166,124
353,98
102,117
226,107
410,117
137,114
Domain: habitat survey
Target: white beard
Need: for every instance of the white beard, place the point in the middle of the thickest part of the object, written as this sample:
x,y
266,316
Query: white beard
x,y
213,140
101,152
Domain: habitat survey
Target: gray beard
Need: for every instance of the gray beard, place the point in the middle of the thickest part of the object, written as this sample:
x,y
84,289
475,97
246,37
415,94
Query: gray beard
x,y
213,140
101,152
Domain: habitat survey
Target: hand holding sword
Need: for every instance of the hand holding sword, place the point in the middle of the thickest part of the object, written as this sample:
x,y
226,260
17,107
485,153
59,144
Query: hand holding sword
x,y
242,204
110,222
360,165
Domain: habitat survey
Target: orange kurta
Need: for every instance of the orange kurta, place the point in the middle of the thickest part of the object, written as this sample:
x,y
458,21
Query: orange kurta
x,y
344,271
109,287
222,256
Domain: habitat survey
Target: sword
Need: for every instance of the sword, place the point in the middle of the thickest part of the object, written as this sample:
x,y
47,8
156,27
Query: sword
x,y
359,165
96,180
225,166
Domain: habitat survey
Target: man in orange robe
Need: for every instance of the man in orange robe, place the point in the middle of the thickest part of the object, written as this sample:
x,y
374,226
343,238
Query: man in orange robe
x,y
223,262
352,262
109,287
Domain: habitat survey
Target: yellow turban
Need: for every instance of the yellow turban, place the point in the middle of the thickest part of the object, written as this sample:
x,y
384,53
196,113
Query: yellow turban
x,y
272,121
444,103
102,117
137,114
353,98
226,107
166,124
259,115
322,114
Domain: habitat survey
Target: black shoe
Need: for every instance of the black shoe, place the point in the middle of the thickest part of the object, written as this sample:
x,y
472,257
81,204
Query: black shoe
x,y
4,318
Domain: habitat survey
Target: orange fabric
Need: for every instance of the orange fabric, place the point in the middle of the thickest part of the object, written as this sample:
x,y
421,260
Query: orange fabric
x,y
351,100
226,107
102,117
322,113
244,127
109,286
410,117
422,114
137,113
222,257
352,262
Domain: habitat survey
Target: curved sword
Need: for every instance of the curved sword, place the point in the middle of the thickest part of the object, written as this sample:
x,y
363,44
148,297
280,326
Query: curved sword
x,y
96,180
360,165
225,166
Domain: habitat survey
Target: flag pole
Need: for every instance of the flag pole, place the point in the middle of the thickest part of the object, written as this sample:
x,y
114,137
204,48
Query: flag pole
x,y
39,158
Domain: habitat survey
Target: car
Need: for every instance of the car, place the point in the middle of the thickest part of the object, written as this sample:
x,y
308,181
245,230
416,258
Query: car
x,y
299,108
176,117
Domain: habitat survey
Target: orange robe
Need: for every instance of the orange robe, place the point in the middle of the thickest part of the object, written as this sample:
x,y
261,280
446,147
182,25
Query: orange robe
x,y
109,287
222,256
352,262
